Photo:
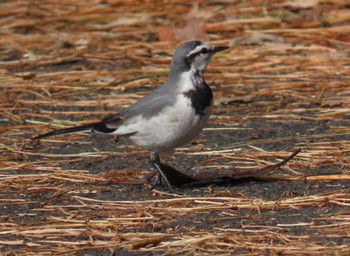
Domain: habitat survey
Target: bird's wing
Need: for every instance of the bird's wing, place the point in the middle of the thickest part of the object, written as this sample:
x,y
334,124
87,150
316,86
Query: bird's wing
x,y
146,107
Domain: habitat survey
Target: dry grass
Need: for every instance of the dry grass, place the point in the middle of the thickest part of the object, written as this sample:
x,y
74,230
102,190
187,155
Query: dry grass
x,y
283,84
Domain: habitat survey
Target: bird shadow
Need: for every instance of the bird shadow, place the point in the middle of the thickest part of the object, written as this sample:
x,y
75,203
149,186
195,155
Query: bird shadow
x,y
181,180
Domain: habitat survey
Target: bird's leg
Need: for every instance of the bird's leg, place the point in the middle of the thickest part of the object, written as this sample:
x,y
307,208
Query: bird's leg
x,y
116,138
152,175
157,164
158,180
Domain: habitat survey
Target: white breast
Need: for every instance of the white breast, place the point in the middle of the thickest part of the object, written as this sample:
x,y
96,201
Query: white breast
x,y
173,127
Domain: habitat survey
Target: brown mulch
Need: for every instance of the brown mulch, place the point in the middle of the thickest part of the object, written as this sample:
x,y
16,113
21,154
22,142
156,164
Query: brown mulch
x,y
284,84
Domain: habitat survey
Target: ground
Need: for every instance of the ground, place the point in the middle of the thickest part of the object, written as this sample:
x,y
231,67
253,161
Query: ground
x,y
282,85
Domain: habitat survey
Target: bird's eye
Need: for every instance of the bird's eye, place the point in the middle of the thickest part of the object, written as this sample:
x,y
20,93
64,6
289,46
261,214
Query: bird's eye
x,y
204,51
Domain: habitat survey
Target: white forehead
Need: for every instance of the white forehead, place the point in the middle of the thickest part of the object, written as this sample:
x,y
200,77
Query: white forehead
x,y
200,47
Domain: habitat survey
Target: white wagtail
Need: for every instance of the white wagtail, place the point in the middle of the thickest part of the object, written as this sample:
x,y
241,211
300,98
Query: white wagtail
x,y
169,117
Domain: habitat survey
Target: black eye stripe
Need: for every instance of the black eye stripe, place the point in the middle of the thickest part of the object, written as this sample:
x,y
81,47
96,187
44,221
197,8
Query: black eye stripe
x,y
192,55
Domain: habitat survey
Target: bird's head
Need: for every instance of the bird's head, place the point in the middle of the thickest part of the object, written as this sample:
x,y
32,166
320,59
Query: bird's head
x,y
194,55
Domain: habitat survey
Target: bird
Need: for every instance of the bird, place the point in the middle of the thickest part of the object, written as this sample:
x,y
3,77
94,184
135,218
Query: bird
x,y
172,115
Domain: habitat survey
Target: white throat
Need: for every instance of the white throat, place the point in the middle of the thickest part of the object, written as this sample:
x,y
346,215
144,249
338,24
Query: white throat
x,y
189,79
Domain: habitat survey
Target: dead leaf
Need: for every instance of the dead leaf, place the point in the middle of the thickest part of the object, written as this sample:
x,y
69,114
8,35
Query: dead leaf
x,y
306,16
254,39
194,27
166,34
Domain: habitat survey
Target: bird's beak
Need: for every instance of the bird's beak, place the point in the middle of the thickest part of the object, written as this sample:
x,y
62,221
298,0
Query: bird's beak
x,y
220,48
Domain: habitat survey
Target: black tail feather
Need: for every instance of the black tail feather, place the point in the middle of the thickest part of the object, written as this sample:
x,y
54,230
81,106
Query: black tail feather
x,y
82,128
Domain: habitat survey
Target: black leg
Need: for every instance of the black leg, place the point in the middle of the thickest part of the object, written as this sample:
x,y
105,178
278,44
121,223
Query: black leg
x,y
156,163
116,138
173,178
151,176
158,179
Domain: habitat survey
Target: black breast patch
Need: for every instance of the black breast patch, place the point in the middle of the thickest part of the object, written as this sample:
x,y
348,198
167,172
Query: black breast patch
x,y
201,97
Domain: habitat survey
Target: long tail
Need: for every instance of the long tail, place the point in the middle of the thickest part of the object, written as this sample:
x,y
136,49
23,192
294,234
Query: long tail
x,y
95,127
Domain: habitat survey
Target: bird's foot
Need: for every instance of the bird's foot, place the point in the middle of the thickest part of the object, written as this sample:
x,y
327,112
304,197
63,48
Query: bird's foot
x,y
157,180
172,177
